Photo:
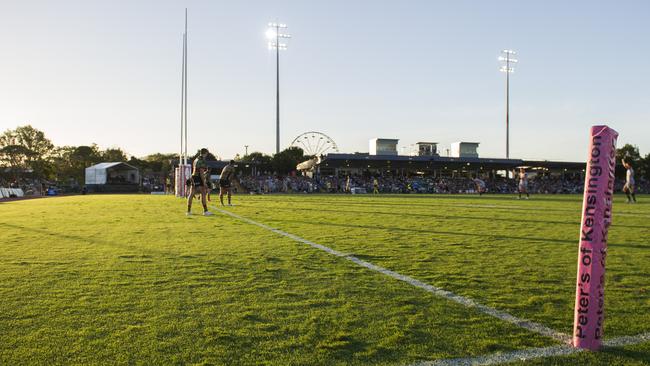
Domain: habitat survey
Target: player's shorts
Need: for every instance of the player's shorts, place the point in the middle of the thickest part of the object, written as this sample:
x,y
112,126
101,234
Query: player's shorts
x,y
224,183
195,180
523,186
628,187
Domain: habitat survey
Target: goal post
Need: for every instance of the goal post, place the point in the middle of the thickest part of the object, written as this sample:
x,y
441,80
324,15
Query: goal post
x,y
589,312
181,174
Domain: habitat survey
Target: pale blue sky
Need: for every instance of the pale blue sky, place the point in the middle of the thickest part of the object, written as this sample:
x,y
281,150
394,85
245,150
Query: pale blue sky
x,y
109,72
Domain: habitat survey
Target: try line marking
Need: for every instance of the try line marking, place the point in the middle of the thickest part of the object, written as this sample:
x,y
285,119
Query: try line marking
x,y
465,301
532,353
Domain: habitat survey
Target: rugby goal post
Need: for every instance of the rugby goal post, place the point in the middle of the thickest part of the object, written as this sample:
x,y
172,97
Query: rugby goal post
x,y
181,174
589,312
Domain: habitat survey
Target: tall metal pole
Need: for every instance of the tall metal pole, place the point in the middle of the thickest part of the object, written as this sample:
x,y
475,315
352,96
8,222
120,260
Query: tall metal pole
x,y
507,68
277,89
508,109
180,154
274,36
185,77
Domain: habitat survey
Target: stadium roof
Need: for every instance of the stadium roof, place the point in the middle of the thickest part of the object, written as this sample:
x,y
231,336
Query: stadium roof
x,y
441,162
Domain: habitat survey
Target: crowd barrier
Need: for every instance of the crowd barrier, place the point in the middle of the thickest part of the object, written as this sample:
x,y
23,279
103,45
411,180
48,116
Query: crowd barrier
x,y
11,192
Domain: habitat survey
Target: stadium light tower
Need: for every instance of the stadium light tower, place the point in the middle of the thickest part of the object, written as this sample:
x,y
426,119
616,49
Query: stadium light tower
x,y
273,34
507,68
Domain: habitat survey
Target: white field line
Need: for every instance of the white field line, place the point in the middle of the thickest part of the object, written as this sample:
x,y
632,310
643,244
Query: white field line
x,y
533,353
524,208
522,323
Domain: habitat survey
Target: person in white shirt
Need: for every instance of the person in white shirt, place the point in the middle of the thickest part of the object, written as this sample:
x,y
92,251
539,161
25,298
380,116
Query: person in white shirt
x,y
628,188
523,183
480,186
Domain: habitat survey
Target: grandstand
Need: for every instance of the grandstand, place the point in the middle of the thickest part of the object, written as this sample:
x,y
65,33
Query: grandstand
x,y
337,164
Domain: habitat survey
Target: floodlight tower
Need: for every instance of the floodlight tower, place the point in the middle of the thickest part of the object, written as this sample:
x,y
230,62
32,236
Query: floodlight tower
x,y
508,60
273,35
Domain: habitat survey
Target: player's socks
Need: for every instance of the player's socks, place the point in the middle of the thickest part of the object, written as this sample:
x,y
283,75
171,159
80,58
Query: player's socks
x,y
629,199
634,197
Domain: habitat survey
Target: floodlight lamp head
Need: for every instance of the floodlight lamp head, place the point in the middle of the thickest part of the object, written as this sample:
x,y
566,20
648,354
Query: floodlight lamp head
x,y
508,59
274,46
277,25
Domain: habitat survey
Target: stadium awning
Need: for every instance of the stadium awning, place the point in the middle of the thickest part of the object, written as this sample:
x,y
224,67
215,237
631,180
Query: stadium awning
x,y
366,161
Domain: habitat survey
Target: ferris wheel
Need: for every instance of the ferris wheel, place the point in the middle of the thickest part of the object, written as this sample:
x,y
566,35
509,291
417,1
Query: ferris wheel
x,y
315,143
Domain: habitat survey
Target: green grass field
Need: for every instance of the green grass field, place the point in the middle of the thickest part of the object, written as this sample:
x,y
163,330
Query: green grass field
x,y
130,280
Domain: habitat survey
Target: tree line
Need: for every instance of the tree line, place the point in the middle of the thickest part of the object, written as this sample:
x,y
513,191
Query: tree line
x,y
25,152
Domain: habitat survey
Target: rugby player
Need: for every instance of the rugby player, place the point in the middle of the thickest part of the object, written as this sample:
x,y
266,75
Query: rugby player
x,y
198,182
227,174
523,183
628,188
480,186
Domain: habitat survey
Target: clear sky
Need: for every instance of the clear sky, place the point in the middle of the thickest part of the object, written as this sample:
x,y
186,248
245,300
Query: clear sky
x,y
109,72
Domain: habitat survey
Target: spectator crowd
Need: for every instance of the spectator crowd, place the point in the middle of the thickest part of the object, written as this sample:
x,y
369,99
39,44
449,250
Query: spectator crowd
x,y
416,184
330,184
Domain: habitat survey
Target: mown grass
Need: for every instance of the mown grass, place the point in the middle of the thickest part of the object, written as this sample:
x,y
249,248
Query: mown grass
x,y
131,280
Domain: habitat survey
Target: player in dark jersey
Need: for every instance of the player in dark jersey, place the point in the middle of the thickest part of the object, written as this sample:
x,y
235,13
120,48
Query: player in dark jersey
x,y
198,182
225,181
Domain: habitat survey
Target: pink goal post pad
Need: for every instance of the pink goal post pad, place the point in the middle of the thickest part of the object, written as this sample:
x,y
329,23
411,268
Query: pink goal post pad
x,y
596,219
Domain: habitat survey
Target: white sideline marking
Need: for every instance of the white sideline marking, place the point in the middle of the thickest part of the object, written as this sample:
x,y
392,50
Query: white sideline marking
x,y
524,208
533,353
627,340
499,358
522,323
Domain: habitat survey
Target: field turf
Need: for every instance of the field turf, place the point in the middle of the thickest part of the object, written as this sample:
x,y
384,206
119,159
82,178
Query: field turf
x,y
130,280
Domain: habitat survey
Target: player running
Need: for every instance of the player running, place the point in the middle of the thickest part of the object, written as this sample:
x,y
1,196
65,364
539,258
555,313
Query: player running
x,y
198,182
628,188
480,186
227,174
375,186
523,183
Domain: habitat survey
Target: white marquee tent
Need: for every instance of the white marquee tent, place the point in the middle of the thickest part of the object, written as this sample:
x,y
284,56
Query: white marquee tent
x,y
112,173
